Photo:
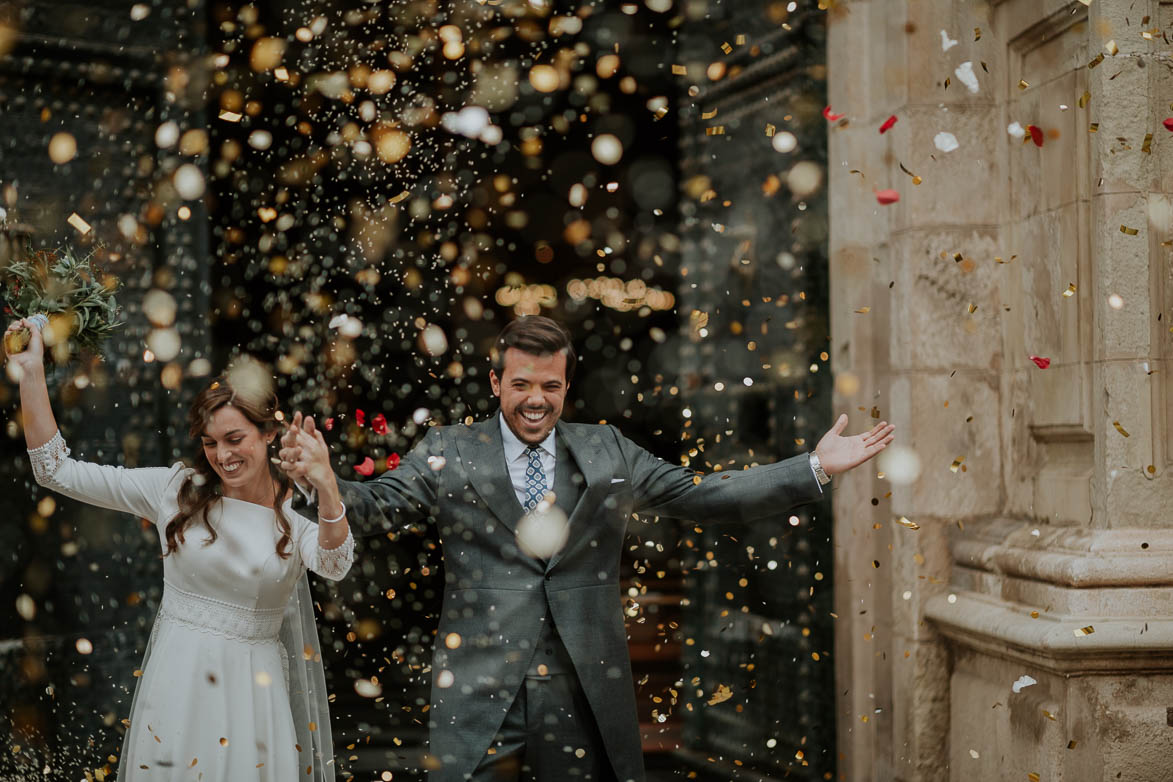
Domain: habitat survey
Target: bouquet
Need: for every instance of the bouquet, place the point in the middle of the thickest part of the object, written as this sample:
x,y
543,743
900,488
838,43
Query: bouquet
x,y
65,295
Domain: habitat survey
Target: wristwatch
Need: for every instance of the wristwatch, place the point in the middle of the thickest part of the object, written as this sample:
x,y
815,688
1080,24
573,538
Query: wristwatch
x,y
820,476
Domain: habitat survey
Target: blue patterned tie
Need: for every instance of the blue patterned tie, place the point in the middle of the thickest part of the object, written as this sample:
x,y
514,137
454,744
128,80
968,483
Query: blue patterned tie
x,y
535,479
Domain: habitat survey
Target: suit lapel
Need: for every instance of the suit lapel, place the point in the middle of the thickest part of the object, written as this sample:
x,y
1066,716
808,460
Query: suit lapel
x,y
596,471
483,456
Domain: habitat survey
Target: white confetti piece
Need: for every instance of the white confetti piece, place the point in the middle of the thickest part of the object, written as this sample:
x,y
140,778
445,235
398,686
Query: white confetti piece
x,y
1022,683
1016,130
947,43
966,76
946,142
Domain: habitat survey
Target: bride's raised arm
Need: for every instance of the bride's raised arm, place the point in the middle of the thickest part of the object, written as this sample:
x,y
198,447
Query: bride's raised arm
x,y
131,491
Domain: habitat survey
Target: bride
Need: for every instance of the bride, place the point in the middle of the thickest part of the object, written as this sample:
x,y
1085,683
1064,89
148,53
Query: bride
x,y
232,687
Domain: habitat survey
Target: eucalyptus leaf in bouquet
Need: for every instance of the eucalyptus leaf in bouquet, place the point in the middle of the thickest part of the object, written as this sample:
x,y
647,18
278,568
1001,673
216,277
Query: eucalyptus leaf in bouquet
x,y
70,293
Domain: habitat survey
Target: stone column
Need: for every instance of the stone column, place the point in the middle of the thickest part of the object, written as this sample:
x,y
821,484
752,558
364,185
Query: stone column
x,y
1043,548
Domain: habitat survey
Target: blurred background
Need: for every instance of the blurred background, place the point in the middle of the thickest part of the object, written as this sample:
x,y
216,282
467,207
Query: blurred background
x,y
361,194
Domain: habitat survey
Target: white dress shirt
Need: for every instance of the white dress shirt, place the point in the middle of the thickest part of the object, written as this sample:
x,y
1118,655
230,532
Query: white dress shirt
x,y
517,460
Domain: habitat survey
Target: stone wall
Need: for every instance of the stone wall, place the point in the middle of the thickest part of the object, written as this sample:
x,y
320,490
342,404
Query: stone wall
x,y
1044,546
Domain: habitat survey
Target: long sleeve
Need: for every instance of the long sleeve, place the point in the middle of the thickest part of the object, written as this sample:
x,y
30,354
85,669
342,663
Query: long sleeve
x,y
744,495
138,491
329,563
398,497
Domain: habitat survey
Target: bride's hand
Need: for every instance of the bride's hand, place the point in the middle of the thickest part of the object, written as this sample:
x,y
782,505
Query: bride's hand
x,y
312,455
32,358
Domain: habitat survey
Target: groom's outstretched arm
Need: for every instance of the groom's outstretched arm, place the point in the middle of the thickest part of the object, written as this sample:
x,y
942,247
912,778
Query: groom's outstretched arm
x,y
670,490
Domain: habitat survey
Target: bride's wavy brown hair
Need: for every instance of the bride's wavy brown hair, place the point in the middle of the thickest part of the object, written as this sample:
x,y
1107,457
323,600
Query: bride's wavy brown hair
x,y
202,486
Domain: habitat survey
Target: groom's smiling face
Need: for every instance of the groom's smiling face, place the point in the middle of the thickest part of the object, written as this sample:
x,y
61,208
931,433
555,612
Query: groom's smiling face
x,y
532,390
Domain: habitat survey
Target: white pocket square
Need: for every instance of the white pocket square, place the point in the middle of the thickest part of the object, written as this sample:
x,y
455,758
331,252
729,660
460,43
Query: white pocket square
x,y
617,480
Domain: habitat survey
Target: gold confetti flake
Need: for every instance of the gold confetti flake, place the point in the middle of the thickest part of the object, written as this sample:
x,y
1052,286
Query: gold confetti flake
x,y
905,522
1085,99
972,308
223,742
1124,229
720,695
1082,631
1032,777
402,196
230,116
1147,146
708,114
1049,715
1093,127
977,33
1120,428
726,47
1099,58
1071,744
679,70
78,223
740,39
956,464
716,130
1023,84
864,310
770,129
193,762
1067,294
1111,48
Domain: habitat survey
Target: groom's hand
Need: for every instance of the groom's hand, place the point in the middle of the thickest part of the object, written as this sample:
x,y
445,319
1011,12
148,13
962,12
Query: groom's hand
x,y
839,454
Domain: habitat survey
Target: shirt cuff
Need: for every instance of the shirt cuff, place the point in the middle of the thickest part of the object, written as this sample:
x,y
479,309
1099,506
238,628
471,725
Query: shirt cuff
x,y
815,475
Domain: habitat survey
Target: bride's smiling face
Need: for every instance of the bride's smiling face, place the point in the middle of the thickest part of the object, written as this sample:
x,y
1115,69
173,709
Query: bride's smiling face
x,y
237,450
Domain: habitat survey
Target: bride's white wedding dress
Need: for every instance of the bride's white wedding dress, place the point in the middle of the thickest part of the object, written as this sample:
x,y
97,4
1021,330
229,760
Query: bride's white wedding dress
x,y
232,689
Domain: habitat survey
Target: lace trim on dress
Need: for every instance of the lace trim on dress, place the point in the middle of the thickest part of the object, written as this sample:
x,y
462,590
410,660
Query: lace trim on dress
x,y
334,563
208,615
48,458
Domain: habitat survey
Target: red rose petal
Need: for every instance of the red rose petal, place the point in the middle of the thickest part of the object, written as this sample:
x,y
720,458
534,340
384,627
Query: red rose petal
x,y
366,467
329,424
392,461
379,424
888,123
1040,362
360,417
1168,123
887,196
831,117
1036,134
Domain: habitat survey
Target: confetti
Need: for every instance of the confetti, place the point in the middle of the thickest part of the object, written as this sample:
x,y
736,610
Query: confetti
x,y
966,76
947,43
1120,428
946,142
864,310
366,467
1022,682
231,116
1040,362
1036,134
79,224
1124,229
379,424
1168,123
904,522
720,695
1067,294
1016,130
1082,631
679,70
888,123
956,465
393,461
1085,99
886,197
829,116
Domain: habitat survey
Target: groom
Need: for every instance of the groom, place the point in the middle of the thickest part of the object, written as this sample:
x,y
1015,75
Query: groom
x,y
531,677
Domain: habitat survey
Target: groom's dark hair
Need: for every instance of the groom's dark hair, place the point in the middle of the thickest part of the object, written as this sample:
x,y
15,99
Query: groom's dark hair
x,y
538,336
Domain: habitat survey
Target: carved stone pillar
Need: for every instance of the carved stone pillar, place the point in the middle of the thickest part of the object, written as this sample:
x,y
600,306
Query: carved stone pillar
x,y
1025,627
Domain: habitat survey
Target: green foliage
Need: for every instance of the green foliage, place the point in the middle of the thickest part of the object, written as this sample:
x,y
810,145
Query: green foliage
x,y
61,283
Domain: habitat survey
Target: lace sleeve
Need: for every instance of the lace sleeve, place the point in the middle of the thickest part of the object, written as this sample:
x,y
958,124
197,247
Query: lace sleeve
x,y
48,458
334,563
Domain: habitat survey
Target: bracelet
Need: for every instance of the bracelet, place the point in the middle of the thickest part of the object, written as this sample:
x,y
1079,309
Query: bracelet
x,y
340,517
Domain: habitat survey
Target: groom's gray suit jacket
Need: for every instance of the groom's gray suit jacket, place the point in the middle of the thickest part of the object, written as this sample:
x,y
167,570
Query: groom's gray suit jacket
x,y
496,596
